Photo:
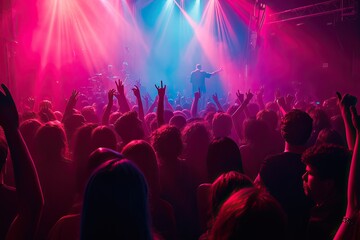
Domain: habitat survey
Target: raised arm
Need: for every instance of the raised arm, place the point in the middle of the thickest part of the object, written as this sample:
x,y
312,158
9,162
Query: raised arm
x,y
348,225
259,98
216,72
243,105
160,109
107,112
194,105
137,94
345,102
28,190
70,104
123,103
216,100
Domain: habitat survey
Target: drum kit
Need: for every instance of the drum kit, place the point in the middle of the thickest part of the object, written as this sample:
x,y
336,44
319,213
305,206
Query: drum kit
x,y
102,81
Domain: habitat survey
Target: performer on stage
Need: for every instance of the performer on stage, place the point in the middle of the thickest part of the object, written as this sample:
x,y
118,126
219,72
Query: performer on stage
x,y
198,76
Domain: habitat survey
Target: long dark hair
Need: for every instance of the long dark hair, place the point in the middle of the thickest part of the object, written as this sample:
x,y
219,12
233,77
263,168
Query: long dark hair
x,y
116,203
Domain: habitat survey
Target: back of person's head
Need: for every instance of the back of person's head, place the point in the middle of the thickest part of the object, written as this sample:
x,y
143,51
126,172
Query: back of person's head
x,y
187,113
209,116
253,109
81,152
296,127
225,185
28,129
28,115
58,115
223,156
116,203
89,113
222,124
168,115
129,127
272,106
249,214
149,118
198,66
114,116
143,155
167,143
329,162
196,138
210,107
103,136
50,141
329,136
269,117
46,113
178,121
98,157
72,123
256,132
320,119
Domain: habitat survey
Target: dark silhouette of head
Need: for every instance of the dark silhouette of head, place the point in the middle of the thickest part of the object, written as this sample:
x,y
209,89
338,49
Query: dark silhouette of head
x,y
103,136
250,213
143,155
222,125
196,139
178,121
269,117
81,151
167,143
116,203
320,119
71,124
256,132
114,116
225,185
296,127
223,156
129,127
28,128
326,171
50,141
89,113
198,66
329,136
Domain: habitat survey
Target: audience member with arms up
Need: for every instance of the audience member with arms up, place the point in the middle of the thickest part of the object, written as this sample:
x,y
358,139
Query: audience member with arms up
x,y
281,174
28,190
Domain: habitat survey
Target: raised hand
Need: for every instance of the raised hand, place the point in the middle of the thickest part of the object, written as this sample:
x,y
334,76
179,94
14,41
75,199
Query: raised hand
x,y
215,97
346,101
73,98
290,99
161,90
197,94
281,101
9,117
136,91
30,102
120,87
240,96
249,95
111,94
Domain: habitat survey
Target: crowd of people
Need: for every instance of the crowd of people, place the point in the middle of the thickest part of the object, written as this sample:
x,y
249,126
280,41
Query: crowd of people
x,y
165,169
